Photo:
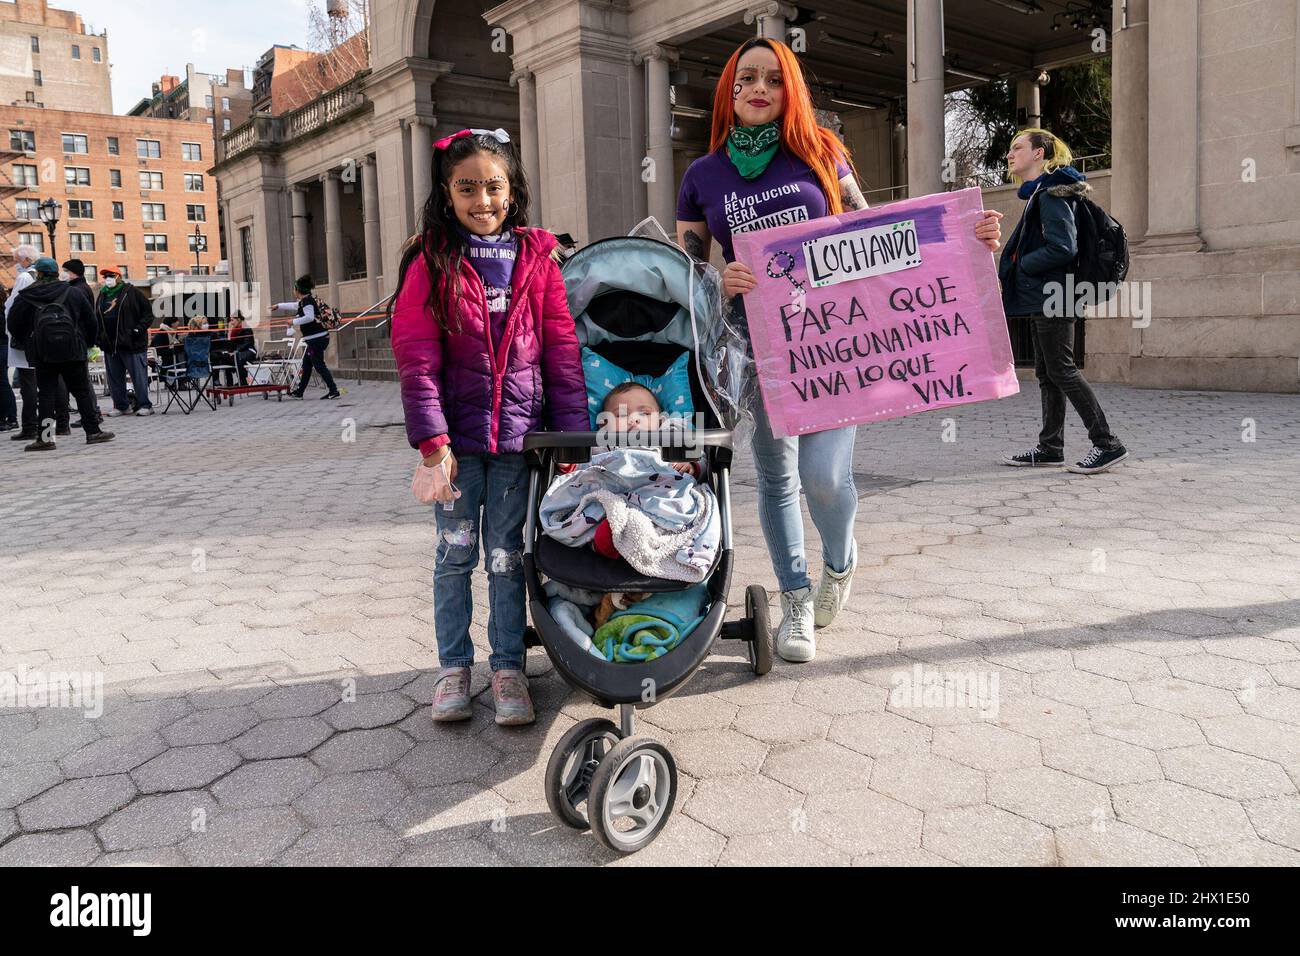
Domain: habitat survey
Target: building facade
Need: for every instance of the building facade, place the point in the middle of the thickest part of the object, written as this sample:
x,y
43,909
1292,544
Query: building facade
x,y
609,101
48,60
133,189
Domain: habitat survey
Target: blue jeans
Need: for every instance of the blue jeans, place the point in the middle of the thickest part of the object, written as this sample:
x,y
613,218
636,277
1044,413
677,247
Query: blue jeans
x,y
117,365
493,496
8,404
820,462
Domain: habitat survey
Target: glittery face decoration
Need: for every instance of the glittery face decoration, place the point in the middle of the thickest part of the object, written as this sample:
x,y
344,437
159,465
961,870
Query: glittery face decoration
x,y
465,181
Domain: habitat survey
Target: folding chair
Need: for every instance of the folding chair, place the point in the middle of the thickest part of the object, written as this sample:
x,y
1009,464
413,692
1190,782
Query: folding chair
x,y
187,383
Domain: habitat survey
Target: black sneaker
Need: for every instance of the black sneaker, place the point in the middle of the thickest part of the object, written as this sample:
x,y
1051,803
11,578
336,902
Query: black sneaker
x,y
97,438
1099,460
1034,458
23,436
297,395
40,445
332,395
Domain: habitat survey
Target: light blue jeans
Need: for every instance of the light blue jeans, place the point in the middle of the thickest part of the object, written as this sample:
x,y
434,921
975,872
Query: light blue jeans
x,y
822,463
493,496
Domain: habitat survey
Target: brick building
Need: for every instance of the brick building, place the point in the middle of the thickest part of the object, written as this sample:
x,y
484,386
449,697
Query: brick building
x,y
51,61
133,189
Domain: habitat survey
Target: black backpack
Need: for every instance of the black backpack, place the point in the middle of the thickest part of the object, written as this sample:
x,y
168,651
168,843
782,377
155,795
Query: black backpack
x,y
56,336
1103,247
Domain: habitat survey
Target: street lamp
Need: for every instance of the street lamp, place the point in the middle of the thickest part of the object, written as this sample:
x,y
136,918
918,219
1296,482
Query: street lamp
x,y
200,245
50,210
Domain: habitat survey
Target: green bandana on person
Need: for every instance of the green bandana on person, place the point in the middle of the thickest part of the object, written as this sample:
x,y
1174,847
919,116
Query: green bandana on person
x,y
112,291
751,148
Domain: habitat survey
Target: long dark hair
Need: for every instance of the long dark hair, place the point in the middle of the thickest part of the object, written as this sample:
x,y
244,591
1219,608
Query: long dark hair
x,y
439,241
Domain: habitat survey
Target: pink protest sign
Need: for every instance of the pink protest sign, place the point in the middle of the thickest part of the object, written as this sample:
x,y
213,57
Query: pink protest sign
x,y
875,314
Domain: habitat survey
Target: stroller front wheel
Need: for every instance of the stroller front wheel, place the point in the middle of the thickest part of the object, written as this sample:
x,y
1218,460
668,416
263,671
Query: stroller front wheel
x,y
760,645
632,794
572,765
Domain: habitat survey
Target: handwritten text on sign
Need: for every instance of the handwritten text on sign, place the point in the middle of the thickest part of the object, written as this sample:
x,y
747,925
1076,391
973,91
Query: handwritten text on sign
x,y
876,314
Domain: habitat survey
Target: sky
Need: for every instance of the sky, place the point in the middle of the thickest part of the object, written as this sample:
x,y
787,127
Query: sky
x,y
148,38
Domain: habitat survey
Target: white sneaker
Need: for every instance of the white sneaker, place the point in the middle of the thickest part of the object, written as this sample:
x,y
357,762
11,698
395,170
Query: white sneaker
x,y
794,638
833,590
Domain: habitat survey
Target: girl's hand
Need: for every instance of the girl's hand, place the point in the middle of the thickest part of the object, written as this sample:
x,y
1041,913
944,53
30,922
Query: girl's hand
x,y
737,279
988,229
443,454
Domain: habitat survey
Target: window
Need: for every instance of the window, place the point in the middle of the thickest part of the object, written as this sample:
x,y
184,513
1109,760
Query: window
x,y
209,120
153,272
82,241
194,182
207,101
75,143
195,213
80,209
155,242
150,180
31,97
200,270
112,146
192,240
76,52
24,174
76,175
225,125
91,268
119,242
125,272
246,252
118,211
36,75
28,209
192,151
225,103
96,56
36,239
153,211
22,140
115,178
36,44
148,148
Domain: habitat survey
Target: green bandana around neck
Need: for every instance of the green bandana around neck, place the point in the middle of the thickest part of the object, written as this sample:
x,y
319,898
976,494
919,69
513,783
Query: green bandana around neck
x,y
113,292
751,148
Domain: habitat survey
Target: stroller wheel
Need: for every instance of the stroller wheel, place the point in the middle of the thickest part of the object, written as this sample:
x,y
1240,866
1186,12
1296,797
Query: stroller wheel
x,y
760,647
632,794
572,765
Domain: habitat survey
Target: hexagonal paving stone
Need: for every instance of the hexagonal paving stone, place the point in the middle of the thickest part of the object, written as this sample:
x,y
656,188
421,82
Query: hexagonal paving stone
x,y
1215,671
1228,774
185,768
212,726
1273,703
1182,814
362,750
266,783
1252,735
691,712
1112,843
1252,853
1101,759
859,821
459,853
780,848
1186,698
1081,688
1048,796
927,782
529,836
1119,663
8,824
109,755
714,753
455,812
837,695
288,737
21,783
244,838
71,848
987,836
986,746
817,766
369,711
1145,726
781,723
45,744
76,803
157,856
351,797
156,821
142,717
744,803
1277,819
453,760
880,735
299,700
354,844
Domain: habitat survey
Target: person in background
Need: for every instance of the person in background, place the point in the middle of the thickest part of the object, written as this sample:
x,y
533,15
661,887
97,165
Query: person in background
x,y
243,347
74,273
24,257
56,324
314,335
123,315
8,403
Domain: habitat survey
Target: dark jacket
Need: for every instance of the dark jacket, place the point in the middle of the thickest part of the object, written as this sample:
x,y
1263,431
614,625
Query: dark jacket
x,y
22,320
1043,246
79,284
123,320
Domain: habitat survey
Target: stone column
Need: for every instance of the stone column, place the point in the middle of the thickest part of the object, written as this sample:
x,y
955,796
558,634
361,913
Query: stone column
x,y
301,249
370,216
530,153
1028,102
661,200
333,235
1128,124
1173,129
421,164
925,72
772,19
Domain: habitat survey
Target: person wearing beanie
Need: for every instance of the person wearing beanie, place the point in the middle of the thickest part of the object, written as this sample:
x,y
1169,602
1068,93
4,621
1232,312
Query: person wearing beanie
x,y
74,271
314,335
56,325
122,317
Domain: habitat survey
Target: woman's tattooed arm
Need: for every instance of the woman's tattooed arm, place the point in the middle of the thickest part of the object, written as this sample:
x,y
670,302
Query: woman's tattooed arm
x,y
851,195
695,239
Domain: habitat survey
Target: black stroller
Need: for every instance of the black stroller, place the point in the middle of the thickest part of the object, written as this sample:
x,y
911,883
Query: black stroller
x,y
639,303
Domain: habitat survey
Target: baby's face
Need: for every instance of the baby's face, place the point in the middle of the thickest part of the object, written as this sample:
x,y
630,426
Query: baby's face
x,y
634,410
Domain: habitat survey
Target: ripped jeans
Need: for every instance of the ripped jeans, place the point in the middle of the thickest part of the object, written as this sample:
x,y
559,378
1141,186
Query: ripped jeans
x,y
493,495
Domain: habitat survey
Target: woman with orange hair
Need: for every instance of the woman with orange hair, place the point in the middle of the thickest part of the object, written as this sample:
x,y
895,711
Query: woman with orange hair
x,y
770,164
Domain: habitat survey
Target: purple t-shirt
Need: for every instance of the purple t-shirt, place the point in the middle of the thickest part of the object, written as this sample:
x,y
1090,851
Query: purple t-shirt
x,y
493,258
714,192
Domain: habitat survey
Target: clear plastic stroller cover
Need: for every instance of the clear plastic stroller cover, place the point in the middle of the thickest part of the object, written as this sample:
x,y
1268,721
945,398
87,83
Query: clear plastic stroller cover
x,y
648,263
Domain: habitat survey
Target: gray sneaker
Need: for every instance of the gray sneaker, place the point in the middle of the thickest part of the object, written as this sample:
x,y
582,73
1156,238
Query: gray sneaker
x,y
451,695
510,694
144,410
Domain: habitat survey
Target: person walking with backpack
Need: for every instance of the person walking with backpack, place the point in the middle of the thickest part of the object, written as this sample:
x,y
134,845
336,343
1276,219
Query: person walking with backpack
x,y
24,257
56,323
315,335
1041,252
123,315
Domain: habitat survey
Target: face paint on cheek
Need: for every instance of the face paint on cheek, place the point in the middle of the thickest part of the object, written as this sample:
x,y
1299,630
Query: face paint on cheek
x,y
735,92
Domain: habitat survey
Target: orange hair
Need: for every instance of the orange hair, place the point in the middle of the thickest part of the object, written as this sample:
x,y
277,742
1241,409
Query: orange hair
x,y
800,134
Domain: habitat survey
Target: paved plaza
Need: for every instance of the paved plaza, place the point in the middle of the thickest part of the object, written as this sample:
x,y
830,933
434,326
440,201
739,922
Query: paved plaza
x,y
1035,667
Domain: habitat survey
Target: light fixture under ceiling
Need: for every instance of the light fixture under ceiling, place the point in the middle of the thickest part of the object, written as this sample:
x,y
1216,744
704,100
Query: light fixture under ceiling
x,y
1026,7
